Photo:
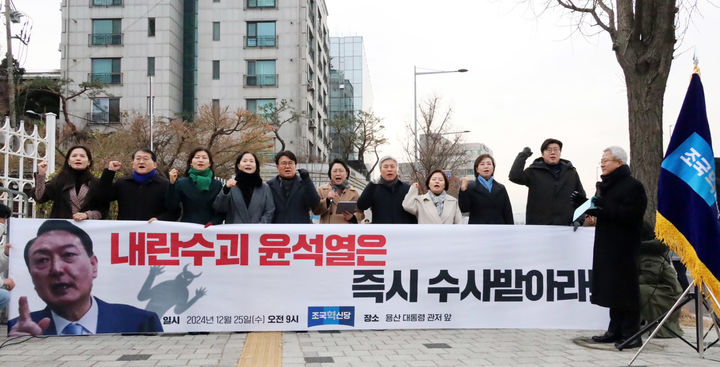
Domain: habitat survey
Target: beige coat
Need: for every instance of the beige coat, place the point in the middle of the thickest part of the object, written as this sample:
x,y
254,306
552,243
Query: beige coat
x,y
423,207
327,214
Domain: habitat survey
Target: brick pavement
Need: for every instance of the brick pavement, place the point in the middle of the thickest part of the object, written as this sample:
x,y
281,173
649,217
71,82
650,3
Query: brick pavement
x,y
471,347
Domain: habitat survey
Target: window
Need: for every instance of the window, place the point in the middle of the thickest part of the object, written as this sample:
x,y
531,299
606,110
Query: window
x,y
105,110
261,73
106,32
260,34
106,71
150,66
151,27
107,2
260,3
258,105
216,105
216,31
216,69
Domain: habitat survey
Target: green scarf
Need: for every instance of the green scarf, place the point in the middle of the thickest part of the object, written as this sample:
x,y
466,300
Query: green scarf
x,y
202,179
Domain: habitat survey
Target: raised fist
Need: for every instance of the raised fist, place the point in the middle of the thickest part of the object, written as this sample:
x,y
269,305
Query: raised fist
x,y
114,166
173,175
42,168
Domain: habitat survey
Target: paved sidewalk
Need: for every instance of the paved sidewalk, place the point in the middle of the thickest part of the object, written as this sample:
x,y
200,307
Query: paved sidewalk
x,y
473,347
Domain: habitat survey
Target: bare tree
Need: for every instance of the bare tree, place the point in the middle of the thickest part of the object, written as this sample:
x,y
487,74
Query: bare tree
x,y
369,136
224,133
438,147
643,39
343,134
277,116
361,133
60,89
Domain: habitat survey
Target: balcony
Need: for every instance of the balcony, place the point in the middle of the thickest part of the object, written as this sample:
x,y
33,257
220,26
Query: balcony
x,y
260,80
102,117
106,3
105,78
105,39
260,41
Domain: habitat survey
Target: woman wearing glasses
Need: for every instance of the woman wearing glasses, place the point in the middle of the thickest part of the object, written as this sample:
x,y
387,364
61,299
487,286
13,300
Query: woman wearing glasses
x,y
337,190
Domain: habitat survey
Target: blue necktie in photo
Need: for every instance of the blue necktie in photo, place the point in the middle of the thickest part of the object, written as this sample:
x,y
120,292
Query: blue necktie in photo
x,y
73,329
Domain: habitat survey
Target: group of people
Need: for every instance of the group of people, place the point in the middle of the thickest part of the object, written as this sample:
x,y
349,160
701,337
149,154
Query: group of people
x,y
290,197
197,197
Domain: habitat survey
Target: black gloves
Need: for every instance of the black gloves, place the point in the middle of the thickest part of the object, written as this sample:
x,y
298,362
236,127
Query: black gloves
x,y
598,202
526,152
578,198
304,174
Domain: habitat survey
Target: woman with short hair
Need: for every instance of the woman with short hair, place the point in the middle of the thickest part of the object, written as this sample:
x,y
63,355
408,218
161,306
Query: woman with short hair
x,y
486,199
196,192
246,198
337,190
435,206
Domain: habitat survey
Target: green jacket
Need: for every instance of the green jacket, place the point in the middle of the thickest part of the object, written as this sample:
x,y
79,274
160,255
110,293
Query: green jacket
x,y
197,206
659,287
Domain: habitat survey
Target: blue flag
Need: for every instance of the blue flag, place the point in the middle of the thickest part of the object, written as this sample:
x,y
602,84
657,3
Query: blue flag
x,y
687,216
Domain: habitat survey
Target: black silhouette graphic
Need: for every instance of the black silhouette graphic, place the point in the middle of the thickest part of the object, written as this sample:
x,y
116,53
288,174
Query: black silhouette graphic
x,y
170,293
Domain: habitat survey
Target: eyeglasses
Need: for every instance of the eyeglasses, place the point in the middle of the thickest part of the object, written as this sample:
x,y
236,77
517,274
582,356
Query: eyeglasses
x,y
286,164
552,150
604,161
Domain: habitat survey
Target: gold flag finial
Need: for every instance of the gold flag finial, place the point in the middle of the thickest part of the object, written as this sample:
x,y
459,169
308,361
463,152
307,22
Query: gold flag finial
x,y
696,68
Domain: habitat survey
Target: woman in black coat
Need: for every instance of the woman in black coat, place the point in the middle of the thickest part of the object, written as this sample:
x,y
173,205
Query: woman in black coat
x,y
486,199
196,192
620,205
74,190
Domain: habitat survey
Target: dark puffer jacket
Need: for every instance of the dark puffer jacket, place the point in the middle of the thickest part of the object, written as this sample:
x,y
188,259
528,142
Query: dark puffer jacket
x,y
548,200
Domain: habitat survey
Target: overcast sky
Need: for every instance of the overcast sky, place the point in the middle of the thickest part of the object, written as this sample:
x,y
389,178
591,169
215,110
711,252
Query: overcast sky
x,y
529,77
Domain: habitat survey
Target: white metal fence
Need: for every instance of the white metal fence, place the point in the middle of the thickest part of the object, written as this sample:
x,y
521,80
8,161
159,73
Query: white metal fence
x,y
21,151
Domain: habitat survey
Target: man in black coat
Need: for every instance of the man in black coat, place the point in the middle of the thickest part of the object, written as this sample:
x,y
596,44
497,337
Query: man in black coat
x,y
293,191
550,181
140,195
385,197
620,204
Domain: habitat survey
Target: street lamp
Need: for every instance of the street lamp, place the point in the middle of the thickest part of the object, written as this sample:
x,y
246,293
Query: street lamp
x,y
455,132
415,74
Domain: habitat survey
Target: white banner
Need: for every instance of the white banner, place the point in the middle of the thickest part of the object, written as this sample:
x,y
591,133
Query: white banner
x,y
321,277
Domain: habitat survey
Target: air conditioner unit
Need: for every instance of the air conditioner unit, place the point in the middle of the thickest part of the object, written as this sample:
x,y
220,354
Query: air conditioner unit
x,y
310,86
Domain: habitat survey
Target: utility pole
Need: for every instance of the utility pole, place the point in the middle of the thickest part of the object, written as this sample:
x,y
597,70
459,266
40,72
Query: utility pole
x,y
10,65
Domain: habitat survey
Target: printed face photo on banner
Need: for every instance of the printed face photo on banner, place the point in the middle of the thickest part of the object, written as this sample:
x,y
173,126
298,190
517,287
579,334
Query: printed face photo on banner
x,y
62,267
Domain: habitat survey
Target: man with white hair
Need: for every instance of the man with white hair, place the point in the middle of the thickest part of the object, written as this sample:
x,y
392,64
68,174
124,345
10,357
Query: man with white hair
x,y
620,204
385,197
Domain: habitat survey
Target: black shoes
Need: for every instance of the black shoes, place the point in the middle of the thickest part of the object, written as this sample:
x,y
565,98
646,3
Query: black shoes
x,y
636,343
608,337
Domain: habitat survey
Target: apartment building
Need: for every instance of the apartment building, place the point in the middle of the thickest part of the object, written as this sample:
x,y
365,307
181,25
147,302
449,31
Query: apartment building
x,y
225,53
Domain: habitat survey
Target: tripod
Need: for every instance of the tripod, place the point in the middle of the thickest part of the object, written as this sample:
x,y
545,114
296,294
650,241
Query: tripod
x,y
686,297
